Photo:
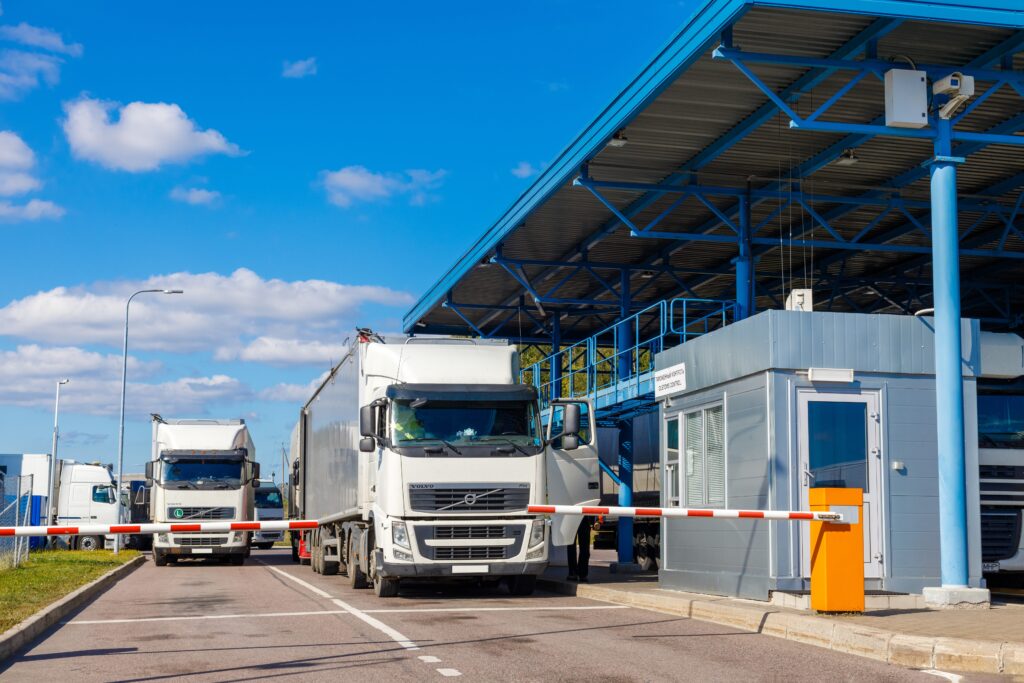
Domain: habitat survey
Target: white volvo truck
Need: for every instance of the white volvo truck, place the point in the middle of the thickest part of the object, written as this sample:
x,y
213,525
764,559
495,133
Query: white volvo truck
x,y
201,471
1001,453
419,458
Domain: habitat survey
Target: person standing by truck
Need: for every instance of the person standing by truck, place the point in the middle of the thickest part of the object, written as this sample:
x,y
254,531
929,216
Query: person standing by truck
x,y
579,562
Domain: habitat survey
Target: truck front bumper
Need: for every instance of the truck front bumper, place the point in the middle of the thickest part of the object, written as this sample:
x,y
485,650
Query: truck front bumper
x,y
215,551
435,570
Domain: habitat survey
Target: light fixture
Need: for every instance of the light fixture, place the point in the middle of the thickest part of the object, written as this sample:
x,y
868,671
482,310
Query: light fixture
x,y
847,158
618,140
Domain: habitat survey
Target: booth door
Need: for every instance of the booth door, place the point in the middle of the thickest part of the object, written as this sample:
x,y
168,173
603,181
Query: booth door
x,y
840,447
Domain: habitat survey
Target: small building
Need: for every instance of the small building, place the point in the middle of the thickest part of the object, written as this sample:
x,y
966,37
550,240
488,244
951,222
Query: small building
x,y
785,401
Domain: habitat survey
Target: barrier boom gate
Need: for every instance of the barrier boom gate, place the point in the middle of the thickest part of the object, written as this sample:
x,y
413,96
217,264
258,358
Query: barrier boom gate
x,y
305,524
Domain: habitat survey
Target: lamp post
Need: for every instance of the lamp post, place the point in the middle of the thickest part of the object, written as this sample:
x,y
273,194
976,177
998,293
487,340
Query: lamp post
x,y
51,504
120,431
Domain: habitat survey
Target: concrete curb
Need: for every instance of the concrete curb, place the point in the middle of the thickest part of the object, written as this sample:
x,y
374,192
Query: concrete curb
x,y
917,652
17,637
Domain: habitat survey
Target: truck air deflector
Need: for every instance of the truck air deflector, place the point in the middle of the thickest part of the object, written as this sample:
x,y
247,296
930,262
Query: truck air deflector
x,y
229,455
462,392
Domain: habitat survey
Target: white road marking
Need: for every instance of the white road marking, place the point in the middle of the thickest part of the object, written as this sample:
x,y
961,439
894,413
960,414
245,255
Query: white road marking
x,y
954,678
359,614
493,609
449,672
429,659
87,622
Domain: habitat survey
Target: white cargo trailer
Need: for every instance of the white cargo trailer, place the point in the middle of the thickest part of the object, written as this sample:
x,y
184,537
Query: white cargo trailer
x,y
420,457
201,471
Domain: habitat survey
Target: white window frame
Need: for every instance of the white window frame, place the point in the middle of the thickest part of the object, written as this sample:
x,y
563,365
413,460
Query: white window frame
x,y
683,488
672,476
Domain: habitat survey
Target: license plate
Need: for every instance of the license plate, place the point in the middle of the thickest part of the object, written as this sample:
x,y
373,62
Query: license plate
x,y
989,566
470,569
202,551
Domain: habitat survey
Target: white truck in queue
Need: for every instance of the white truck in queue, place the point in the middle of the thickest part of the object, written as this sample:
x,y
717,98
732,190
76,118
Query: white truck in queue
x,y
268,506
419,457
84,494
201,471
1001,453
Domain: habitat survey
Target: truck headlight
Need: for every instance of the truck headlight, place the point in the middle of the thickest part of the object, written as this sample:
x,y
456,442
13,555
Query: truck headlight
x,y
537,532
399,534
161,538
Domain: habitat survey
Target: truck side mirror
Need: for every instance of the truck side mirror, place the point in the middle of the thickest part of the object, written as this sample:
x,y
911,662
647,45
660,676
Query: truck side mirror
x,y
570,442
255,471
366,422
149,473
367,444
571,419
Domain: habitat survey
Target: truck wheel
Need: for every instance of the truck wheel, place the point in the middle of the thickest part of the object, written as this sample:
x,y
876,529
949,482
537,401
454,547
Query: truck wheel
x,y
237,560
522,585
89,543
314,560
385,588
159,558
356,577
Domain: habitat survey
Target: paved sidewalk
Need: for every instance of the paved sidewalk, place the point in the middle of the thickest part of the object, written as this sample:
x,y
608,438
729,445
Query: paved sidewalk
x,y
990,641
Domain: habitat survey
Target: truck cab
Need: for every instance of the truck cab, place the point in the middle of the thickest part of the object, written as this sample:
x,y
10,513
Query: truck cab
x,y
269,505
86,495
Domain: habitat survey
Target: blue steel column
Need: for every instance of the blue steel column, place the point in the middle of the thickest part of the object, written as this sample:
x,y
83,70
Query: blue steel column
x,y
625,339
744,264
949,386
556,362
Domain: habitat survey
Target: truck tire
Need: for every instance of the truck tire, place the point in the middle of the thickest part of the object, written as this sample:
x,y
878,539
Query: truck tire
x,y
522,585
89,543
645,552
356,577
237,560
159,558
385,588
314,560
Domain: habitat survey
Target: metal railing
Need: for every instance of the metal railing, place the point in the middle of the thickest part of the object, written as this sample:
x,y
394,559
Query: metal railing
x,y
15,509
619,359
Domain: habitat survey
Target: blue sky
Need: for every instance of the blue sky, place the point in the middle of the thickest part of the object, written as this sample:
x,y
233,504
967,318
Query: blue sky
x,y
296,168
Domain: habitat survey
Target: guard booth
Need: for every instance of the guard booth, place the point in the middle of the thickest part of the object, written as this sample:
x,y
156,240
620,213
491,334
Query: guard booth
x,y
787,401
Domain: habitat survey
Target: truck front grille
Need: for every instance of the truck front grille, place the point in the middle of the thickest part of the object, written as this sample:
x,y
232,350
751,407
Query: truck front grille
x,y
459,532
479,552
188,541
1000,533
181,513
493,498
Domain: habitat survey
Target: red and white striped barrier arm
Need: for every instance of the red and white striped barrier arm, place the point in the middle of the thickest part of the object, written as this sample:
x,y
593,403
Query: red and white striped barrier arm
x,y
684,512
177,527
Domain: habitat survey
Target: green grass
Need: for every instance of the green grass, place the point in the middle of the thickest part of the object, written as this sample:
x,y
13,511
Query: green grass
x,y
48,576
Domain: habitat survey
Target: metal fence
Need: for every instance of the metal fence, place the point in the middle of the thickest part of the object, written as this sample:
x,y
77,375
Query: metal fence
x,y
15,509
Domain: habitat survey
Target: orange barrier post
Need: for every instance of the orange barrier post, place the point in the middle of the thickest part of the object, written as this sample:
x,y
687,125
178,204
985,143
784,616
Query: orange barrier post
x,y
837,552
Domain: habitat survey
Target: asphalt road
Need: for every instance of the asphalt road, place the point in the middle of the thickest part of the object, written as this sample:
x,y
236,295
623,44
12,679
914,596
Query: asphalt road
x,y
274,620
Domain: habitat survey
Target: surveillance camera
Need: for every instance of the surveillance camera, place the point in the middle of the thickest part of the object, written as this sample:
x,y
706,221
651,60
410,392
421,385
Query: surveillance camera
x,y
958,87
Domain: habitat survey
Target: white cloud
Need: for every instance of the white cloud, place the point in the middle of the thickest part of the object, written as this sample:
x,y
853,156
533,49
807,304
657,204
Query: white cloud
x,y
28,373
292,393
195,195
524,169
352,184
300,68
144,137
44,38
14,153
277,351
220,313
12,184
34,210
23,71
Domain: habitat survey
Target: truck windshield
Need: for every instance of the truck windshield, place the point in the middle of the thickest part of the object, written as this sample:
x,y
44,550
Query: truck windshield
x,y
268,498
201,473
466,423
1001,421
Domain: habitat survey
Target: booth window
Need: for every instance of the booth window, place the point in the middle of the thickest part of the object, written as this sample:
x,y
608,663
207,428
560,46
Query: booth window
x,y
672,475
704,457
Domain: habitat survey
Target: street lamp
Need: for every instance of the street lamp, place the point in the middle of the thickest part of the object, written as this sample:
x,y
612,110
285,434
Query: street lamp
x,y
51,504
120,432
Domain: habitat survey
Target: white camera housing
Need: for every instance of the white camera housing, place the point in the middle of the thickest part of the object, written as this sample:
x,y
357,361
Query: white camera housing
x,y
955,84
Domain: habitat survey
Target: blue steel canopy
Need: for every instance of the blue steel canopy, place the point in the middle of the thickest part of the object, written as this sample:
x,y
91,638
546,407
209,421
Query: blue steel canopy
x,y
758,127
